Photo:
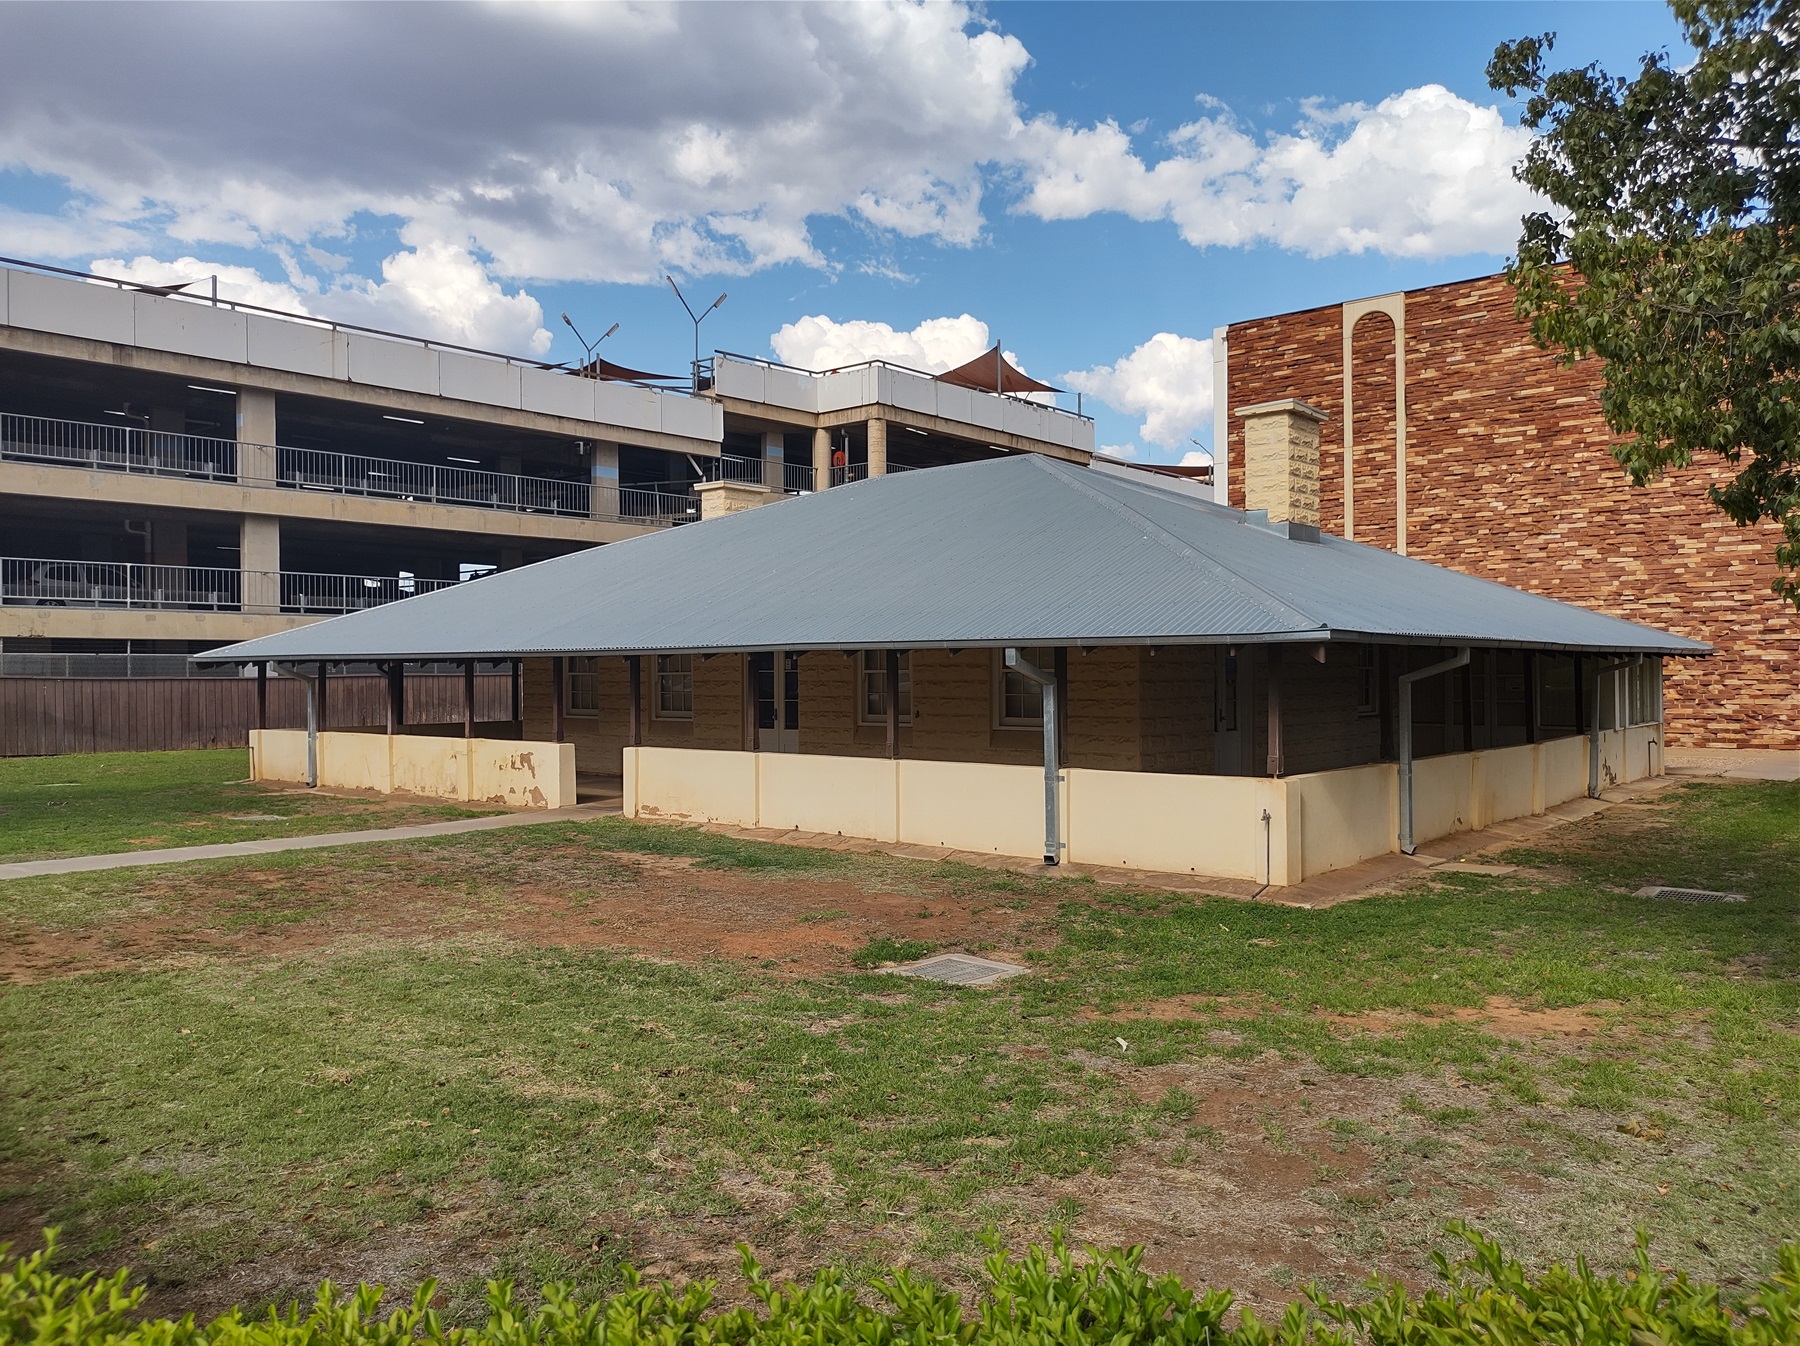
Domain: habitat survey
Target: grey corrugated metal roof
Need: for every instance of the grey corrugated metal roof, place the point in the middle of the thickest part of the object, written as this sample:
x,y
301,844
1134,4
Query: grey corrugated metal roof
x,y
1018,550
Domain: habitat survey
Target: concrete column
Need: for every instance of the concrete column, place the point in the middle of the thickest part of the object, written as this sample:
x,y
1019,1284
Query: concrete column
x,y
1281,460
256,436
821,458
259,559
877,447
603,460
775,460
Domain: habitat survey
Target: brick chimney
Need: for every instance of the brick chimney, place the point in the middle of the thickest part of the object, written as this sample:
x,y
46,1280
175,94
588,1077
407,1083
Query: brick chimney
x,y
1281,460
719,498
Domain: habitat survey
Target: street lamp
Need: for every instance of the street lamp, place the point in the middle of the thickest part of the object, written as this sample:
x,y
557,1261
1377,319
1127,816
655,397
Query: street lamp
x,y
587,349
698,319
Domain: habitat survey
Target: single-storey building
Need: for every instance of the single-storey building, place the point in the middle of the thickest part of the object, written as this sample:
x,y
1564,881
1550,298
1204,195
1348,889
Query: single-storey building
x,y
1024,657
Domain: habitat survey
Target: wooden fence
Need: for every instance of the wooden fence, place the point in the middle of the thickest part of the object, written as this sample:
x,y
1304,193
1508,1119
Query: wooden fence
x,y
40,717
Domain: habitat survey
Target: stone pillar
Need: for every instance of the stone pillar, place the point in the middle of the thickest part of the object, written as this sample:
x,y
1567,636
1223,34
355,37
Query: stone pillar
x,y
821,458
1281,460
256,436
719,498
775,460
603,477
259,561
877,447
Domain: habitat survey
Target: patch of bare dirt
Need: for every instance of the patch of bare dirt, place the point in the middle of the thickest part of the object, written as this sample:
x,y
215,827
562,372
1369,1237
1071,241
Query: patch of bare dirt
x,y
1499,1015
658,905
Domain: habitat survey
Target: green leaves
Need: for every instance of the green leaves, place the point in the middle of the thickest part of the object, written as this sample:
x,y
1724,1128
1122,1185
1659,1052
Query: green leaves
x,y
1046,1297
1673,249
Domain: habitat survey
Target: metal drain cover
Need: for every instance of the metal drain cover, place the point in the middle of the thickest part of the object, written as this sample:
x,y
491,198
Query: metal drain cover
x,y
1690,895
960,969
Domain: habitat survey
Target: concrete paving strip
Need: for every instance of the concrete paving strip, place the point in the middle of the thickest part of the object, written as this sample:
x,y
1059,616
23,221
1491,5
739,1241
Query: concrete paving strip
x,y
82,864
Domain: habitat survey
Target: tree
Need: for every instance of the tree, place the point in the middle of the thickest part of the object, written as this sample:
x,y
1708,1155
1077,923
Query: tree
x,y
1672,250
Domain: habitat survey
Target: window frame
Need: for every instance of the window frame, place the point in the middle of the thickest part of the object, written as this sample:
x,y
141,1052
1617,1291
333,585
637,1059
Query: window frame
x,y
1368,679
667,676
867,694
1043,657
574,675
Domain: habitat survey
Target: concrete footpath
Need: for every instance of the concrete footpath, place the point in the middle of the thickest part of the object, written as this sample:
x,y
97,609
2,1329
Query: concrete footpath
x,y
83,864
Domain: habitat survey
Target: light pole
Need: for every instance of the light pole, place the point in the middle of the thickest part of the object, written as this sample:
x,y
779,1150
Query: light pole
x,y
698,319
588,350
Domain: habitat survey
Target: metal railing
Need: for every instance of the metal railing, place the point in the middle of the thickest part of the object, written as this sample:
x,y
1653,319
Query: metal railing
x,y
313,593
125,448
396,479
27,664
763,360
39,582
776,474
116,448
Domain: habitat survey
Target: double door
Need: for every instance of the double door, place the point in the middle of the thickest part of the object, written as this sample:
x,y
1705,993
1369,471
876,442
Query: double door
x,y
777,700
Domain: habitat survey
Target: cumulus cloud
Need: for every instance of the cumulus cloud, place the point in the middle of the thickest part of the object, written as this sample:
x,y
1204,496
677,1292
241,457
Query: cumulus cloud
x,y
1423,173
1167,381
432,288
937,344
604,142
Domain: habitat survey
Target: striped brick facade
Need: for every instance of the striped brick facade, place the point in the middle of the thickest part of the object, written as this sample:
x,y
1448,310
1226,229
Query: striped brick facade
x,y
1508,475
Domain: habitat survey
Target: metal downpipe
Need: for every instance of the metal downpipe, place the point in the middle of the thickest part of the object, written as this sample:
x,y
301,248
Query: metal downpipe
x,y
1017,662
1403,735
312,719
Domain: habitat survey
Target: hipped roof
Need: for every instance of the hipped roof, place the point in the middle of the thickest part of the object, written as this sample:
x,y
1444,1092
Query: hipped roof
x,y
1023,550
994,373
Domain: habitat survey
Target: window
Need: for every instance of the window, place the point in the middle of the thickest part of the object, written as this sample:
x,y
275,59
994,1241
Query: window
x,y
1368,680
1645,679
674,686
871,705
1021,701
584,685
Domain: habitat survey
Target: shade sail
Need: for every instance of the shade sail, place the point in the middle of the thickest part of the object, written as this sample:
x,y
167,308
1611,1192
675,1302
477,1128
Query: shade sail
x,y
607,370
994,373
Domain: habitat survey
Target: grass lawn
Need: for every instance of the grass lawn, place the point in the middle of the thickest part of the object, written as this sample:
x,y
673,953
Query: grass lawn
x,y
92,803
547,1052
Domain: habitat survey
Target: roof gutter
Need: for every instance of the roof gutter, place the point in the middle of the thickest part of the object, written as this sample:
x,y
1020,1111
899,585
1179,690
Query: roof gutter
x,y
1016,661
1403,731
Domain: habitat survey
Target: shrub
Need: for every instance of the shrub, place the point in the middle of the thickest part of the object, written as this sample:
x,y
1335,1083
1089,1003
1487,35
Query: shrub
x,y
1047,1297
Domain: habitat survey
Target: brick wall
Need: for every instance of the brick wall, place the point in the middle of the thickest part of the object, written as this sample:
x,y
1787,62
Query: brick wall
x,y
1509,476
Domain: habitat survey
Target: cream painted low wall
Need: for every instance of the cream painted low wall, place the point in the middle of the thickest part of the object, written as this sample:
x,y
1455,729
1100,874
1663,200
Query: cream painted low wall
x,y
974,806
477,770
1213,825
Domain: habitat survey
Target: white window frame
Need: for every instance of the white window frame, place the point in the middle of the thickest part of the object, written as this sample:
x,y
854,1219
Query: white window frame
x,y
871,687
674,672
581,669
1042,657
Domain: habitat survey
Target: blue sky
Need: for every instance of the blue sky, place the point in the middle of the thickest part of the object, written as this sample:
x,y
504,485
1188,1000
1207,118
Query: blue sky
x,y
1096,186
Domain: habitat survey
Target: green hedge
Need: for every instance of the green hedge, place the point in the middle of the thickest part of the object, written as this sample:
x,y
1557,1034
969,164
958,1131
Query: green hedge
x,y
1048,1297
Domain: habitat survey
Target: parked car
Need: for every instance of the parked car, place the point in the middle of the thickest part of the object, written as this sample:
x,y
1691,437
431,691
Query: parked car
x,y
56,584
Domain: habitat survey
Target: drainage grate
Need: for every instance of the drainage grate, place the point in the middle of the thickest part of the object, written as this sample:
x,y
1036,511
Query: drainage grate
x,y
1690,895
960,969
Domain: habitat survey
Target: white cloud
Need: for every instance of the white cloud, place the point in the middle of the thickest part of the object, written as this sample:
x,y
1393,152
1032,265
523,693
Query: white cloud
x,y
1196,458
1167,381
432,288
937,344
607,142
1423,173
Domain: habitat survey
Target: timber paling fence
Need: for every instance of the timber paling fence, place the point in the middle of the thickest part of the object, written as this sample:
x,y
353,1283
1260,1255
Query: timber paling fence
x,y
41,717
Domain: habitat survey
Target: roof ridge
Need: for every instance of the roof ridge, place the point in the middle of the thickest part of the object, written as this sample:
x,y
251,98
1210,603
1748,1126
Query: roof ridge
x,y
1272,601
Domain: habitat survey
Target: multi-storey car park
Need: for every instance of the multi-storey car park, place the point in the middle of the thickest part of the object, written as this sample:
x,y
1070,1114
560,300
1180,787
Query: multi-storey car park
x,y
178,471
